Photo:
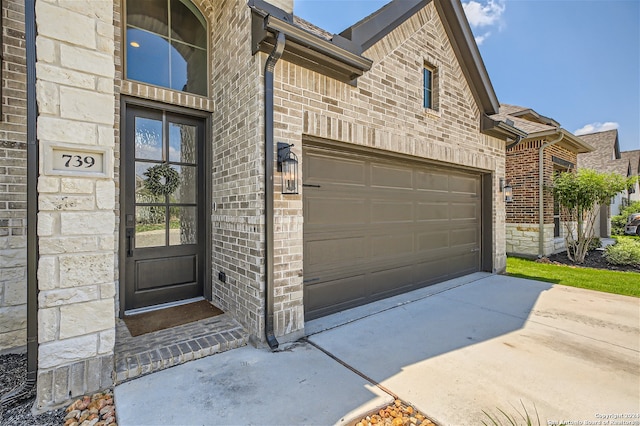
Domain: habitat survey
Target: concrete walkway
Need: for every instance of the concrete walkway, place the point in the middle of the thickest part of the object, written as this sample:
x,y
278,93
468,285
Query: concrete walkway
x,y
454,350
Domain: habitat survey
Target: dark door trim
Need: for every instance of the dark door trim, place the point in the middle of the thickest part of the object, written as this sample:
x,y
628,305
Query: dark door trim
x,y
125,103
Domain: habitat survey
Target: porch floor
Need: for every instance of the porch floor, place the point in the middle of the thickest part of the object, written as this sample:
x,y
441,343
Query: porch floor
x,y
145,354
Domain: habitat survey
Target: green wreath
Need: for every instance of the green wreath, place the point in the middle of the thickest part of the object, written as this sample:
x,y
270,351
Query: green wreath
x,y
154,175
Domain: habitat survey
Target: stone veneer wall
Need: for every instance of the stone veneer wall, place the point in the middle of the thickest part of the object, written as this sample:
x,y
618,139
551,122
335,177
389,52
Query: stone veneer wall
x,y
13,181
76,219
522,239
522,172
384,111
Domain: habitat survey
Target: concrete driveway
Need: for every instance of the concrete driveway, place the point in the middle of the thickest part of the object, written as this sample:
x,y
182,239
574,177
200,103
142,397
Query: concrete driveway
x,y
478,343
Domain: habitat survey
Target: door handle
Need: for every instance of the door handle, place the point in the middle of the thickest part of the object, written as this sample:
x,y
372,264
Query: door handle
x,y
130,236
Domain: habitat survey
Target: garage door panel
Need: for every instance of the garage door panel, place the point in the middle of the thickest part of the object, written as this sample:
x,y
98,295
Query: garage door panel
x,y
387,212
467,236
432,181
464,211
335,251
432,211
393,280
464,184
408,225
335,210
392,245
347,290
432,241
383,176
319,169
432,270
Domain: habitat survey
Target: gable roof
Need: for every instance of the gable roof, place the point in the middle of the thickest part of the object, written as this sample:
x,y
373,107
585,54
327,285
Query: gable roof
x,y
315,48
634,161
538,126
606,156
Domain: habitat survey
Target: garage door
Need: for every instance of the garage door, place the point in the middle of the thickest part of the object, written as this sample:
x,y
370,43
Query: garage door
x,y
376,226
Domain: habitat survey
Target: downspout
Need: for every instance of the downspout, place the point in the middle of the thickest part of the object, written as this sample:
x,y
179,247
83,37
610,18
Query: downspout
x,y
514,143
26,389
541,193
268,186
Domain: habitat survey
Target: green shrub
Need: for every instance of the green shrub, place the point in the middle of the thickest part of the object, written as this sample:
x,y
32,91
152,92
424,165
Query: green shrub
x,y
625,252
620,221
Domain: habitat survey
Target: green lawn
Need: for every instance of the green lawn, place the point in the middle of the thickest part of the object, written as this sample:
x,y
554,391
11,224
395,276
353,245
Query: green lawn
x,y
624,283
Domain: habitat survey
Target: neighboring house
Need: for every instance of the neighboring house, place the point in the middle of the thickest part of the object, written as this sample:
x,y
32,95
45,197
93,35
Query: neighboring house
x,y
634,170
606,158
152,177
534,226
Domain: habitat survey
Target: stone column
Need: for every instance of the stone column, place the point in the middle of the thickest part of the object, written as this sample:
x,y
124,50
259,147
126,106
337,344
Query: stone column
x,y
76,218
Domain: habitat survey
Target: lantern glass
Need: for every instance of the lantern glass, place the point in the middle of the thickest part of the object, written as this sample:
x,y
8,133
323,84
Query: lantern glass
x,y
290,176
508,193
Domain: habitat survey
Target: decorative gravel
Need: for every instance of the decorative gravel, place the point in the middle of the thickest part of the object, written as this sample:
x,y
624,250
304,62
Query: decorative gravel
x,y
13,371
396,414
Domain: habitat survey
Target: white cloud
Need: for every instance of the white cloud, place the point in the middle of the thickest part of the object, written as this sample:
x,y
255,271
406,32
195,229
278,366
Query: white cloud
x,y
482,38
484,14
596,127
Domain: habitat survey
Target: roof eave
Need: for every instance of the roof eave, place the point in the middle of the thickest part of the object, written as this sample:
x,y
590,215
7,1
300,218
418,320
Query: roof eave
x,y
302,47
569,140
500,129
376,26
457,27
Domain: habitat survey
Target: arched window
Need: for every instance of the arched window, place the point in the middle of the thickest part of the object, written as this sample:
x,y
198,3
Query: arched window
x,y
166,45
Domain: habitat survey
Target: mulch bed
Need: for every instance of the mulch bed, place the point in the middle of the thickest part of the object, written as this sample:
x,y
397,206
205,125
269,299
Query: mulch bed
x,y
594,259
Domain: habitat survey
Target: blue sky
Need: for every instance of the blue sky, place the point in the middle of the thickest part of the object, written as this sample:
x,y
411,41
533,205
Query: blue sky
x,y
576,61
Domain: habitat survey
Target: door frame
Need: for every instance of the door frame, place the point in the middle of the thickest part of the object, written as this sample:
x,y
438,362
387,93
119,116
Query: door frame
x,y
125,103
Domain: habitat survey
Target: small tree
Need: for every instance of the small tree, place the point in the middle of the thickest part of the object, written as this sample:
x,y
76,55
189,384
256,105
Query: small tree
x,y
579,196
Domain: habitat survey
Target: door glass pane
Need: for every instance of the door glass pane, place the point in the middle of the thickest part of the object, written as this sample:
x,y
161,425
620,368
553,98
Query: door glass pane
x,y
148,139
143,195
188,188
183,226
188,68
150,226
151,15
188,24
147,57
182,143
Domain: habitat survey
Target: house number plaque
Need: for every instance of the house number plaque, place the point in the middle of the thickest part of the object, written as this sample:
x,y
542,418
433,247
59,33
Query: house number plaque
x,y
76,160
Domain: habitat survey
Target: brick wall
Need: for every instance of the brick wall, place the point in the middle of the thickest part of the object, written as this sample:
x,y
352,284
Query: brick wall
x,y
384,111
238,169
522,214
13,180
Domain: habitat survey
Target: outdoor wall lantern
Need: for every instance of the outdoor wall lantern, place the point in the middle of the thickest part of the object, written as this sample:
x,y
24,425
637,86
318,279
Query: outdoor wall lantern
x,y
288,165
507,189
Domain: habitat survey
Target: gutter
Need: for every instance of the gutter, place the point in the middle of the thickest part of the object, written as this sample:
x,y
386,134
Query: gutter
x,y
504,130
26,389
541,192
268,186
338,58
